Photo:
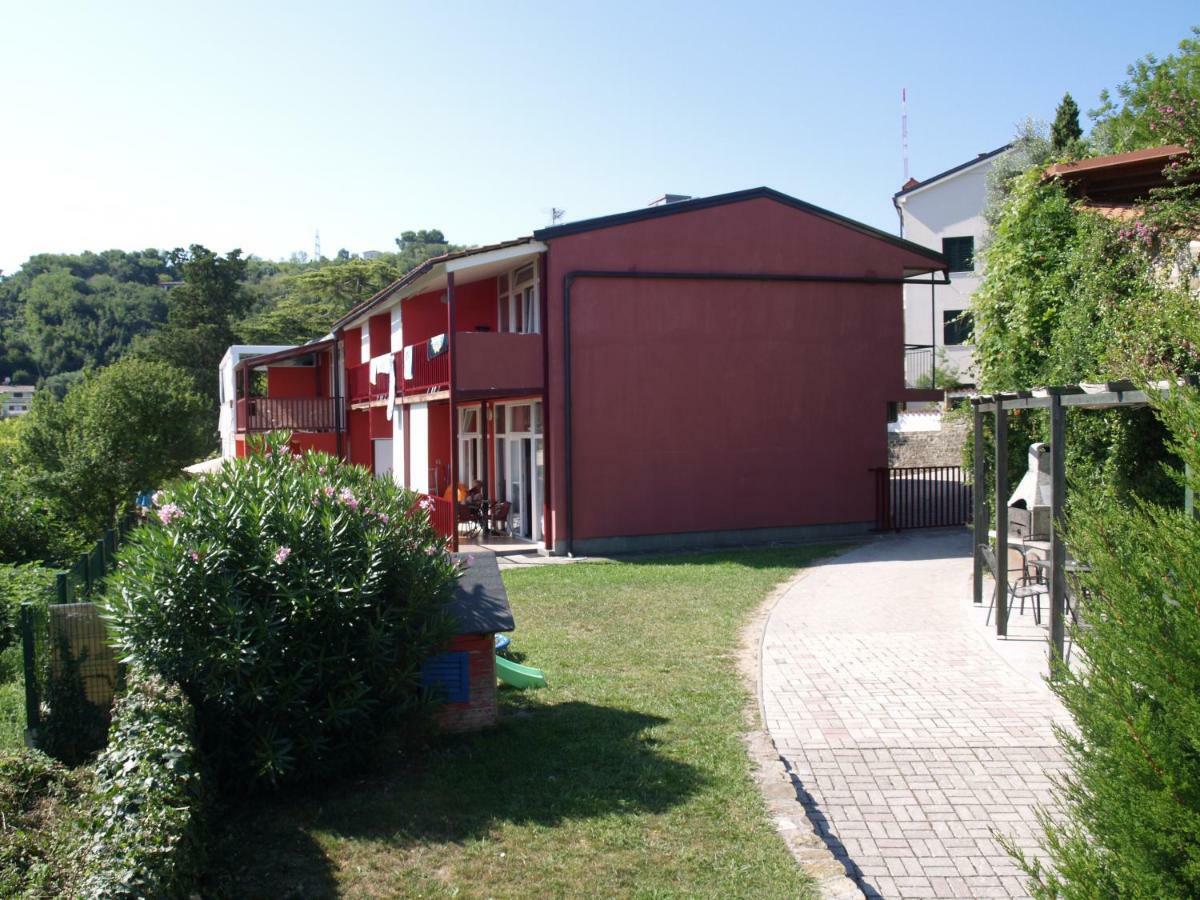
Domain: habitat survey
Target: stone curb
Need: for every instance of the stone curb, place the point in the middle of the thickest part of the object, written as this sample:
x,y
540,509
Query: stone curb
x,y
780,791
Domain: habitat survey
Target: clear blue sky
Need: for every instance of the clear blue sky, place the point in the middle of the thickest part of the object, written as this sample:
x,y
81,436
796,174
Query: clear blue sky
x,y
251,124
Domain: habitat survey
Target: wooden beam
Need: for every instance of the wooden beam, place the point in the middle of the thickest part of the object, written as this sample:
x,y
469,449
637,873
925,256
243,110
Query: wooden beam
x,y
1058,552
1001,522
978,507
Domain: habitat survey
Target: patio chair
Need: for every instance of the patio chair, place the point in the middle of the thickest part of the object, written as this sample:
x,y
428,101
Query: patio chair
x,y
1022,589
499,516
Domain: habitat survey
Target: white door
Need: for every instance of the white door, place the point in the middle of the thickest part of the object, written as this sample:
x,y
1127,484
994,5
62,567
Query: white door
x,y
383,458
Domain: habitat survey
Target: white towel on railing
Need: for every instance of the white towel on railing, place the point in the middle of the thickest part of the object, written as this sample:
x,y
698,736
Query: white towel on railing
x,y
408,362
391,404
380,365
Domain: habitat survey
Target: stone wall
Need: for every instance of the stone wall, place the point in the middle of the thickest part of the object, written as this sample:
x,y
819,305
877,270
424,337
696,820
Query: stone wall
x,y
929,448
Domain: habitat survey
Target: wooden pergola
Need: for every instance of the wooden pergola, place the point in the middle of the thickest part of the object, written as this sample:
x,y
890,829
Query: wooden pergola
x,y
1058,400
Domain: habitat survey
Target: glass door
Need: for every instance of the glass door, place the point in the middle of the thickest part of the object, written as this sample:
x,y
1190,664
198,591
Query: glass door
x,y
519,466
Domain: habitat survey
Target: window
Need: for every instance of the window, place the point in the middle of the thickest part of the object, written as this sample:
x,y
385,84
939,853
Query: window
x,y
959,253
956,327
519,310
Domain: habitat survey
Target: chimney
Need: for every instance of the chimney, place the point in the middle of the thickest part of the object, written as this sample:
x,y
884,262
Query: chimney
x,y
669,198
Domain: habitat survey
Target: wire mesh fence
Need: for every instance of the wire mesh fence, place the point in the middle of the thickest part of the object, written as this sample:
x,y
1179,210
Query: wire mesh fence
x,y
70,671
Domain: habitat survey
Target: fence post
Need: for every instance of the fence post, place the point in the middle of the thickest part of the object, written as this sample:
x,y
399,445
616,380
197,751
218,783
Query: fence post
x,y
62,584
32,700
979,515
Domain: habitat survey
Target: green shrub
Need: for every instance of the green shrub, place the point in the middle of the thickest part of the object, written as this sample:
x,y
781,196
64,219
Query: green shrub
x,y
145,834
32,526
20,584
1129,814
293,599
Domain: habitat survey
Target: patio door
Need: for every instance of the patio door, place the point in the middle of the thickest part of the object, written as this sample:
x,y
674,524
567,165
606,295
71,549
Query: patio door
x,y
520,466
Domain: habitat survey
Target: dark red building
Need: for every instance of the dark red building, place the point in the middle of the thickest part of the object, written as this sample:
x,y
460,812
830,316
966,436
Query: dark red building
x,y
701,372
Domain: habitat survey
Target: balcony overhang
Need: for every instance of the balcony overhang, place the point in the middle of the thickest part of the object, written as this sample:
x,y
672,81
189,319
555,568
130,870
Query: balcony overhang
x,y
281,356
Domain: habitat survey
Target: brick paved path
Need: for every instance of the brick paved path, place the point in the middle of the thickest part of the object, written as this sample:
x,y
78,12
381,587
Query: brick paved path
x,y
909,734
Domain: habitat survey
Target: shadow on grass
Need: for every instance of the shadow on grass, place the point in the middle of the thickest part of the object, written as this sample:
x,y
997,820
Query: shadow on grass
x,y
543,766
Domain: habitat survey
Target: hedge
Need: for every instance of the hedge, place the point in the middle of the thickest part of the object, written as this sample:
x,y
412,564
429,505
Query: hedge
x,y
146,833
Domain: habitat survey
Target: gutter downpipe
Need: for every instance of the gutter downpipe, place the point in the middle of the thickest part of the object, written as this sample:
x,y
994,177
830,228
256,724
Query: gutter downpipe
x,y
571,277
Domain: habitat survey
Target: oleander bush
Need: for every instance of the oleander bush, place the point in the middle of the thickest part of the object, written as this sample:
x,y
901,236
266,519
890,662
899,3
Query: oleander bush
x,y
293,599
145,832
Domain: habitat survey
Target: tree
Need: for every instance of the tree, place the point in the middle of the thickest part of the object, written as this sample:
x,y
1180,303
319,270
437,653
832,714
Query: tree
x,y
201,315
1065,132
121,430
1122,122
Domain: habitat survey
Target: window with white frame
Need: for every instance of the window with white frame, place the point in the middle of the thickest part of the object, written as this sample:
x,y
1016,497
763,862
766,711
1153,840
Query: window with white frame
x,y
519,311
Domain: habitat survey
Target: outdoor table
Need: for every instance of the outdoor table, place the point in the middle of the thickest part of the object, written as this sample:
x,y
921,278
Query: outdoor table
x,y
1071,566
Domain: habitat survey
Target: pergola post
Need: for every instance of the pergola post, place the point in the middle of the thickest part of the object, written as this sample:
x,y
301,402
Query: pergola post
x,y
978,507
451,313
1058,553
1001,518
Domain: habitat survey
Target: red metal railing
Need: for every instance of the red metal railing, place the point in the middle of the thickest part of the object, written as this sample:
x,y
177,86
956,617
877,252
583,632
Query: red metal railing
x,y
441,514
921,497
359,387
427,374
289,414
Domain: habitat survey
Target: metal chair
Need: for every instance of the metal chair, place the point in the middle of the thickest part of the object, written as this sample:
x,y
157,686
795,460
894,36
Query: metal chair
x,y
1024,590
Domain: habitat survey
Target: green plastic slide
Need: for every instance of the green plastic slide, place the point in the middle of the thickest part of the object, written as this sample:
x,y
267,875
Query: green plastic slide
x,y
517,675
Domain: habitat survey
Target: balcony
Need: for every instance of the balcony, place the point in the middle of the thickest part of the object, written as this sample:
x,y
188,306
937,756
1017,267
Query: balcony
x,y
489,363
428,375
497,363
289,414
359,387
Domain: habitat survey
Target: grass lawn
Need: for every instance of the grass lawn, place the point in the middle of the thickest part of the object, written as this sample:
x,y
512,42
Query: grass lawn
x,y
626,777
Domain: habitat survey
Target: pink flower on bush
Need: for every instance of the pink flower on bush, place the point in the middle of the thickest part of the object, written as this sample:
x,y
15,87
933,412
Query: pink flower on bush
x,y
170,513
328,490
384,518
282,554
195,556
426,504
320,470
347,497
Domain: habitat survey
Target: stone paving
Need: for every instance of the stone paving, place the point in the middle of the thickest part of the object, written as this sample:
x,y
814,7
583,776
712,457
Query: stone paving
x,y
911,734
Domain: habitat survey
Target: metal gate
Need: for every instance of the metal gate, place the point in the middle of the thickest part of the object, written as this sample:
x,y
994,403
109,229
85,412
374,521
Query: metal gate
x,y
921,497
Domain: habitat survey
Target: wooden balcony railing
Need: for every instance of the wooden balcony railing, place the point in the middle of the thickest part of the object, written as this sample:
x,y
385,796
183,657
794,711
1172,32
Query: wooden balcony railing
x,y
359,387
289,414
427,374
441,514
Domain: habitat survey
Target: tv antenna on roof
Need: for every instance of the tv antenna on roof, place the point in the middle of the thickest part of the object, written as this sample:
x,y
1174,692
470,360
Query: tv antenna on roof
x,y
904,130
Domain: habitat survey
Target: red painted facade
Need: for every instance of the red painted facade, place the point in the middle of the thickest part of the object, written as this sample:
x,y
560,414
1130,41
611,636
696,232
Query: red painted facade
x,y
699,407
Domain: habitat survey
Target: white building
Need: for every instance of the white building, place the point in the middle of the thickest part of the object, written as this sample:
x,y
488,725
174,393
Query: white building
x,y
945,213
227,422
15,399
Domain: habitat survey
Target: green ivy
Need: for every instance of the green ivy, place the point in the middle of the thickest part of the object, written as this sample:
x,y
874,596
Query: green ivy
x,y
145,837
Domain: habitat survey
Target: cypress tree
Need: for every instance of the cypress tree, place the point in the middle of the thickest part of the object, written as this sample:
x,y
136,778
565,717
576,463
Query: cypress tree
x,y
1066,129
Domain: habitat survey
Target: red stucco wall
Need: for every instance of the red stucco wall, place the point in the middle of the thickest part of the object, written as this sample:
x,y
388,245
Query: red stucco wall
x,y
321,441
475,305
708,406
352,347
293,381
380,326
359,436
424,316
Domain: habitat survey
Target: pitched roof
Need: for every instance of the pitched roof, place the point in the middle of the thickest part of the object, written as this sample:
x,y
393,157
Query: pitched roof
x,y
909,186
684,206
414,273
